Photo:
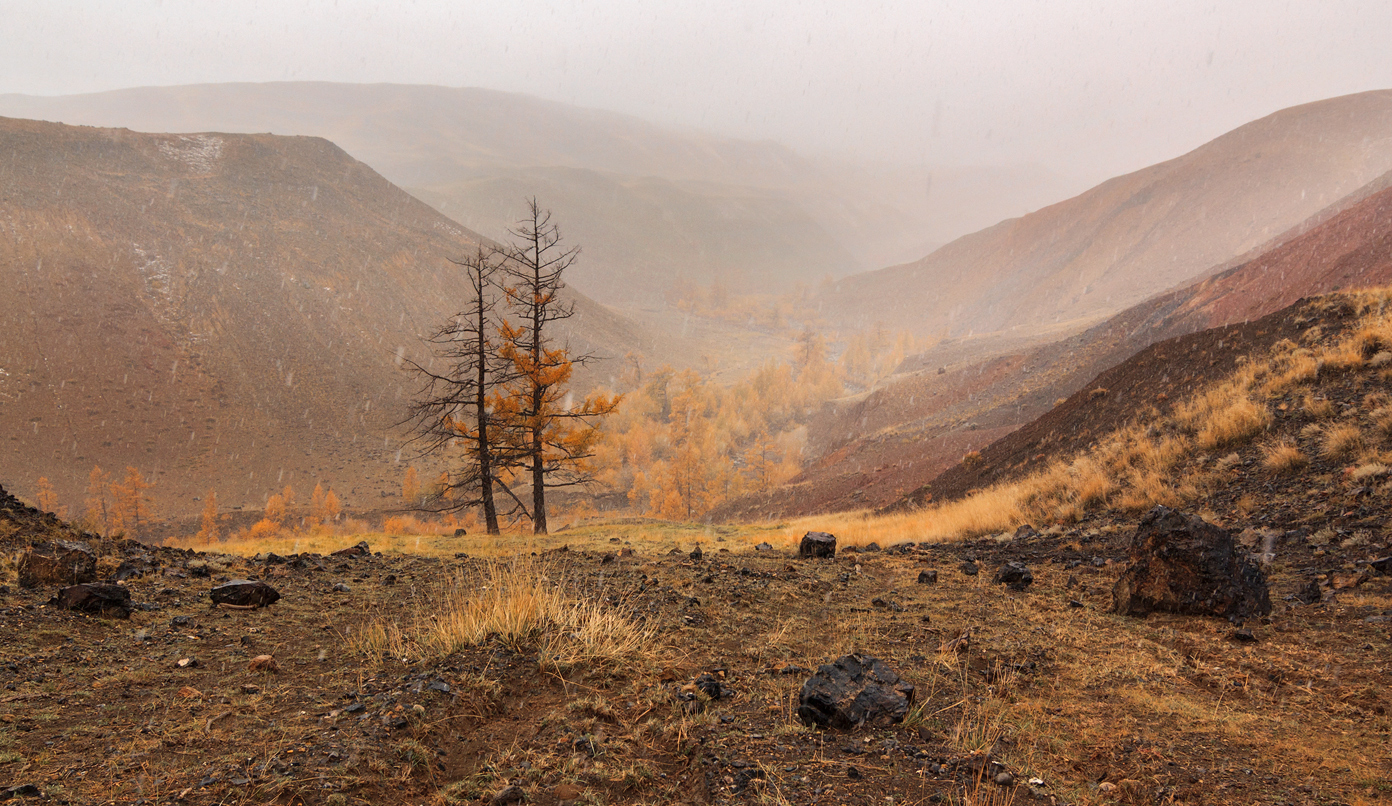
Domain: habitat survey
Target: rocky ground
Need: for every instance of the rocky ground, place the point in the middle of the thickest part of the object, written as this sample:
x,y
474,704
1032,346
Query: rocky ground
x,y
1043,689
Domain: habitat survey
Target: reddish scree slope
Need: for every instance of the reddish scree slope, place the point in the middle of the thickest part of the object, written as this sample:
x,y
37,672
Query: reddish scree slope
x,y
890,446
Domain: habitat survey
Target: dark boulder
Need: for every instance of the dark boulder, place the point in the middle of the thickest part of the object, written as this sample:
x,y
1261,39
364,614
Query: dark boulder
x,y
244,593
101,599
853,691
1182,564
461,532
62,562
360,550
817,544
763,547
929,577
1015,576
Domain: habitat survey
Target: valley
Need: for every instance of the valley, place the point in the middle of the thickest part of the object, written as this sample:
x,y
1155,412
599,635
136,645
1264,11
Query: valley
x,y
205,324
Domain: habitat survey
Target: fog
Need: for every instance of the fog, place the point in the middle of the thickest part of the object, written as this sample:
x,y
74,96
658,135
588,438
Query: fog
x,y
1088,89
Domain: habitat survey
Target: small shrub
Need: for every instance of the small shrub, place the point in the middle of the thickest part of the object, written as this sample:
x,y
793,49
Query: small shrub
x,y
263,529
1368,471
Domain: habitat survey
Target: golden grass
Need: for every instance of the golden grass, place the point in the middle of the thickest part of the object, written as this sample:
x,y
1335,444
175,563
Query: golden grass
x,y
1135,468
520,602
1236,423
1342,441
1283,457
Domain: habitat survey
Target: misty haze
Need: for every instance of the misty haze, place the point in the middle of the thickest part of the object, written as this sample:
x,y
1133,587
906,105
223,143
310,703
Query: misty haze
x,y
767,403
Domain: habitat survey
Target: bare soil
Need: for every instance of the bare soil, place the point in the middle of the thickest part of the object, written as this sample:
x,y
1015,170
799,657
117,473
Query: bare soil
x,y
1047,684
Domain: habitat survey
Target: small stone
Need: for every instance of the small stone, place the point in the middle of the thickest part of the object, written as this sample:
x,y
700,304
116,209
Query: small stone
x,y
244,593
188,663
263,663
341,587
1106,786
853,773
1014,575
511,794
1004,779
763,547
1243,635
96,598
970,568
567,792
928,577
696,553
190,693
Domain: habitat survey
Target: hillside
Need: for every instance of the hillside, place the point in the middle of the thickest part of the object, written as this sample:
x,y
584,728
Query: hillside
x,y
895,440
651,204
221,311
1134,236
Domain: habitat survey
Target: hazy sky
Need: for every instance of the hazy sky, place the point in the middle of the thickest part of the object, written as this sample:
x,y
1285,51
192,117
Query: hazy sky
x,y
1090,88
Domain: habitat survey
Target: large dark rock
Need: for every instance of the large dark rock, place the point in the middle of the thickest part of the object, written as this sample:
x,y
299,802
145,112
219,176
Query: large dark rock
x,y
817,544
1183,564
62,562
108,600
853,691
1014,575
244,593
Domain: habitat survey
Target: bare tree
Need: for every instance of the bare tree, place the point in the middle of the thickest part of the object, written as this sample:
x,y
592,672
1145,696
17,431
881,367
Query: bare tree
x,y
462,401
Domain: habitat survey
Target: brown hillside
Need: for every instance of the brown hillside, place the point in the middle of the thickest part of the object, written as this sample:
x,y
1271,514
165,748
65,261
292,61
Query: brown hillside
x,y
221,311
893,441
1135,235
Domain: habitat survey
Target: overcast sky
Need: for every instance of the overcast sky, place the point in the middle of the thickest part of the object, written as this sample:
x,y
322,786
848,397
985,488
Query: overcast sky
x,y
1087,88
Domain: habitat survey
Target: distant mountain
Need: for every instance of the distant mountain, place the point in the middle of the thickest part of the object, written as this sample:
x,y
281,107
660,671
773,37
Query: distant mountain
x,y
650,204
221,311
1081,260
900,445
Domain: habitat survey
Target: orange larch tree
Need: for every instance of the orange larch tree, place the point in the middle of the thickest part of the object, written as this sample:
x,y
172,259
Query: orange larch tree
x,y
553,435
208,532
97,504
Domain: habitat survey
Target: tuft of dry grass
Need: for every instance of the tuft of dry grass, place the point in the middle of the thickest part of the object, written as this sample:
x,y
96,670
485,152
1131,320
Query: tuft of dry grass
x,y
1234,424
1283,457
520,602
1342,441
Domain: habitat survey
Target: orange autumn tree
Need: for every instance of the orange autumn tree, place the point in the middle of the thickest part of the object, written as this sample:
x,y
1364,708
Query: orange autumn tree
x,y
131,506
208,531
48,500
552,437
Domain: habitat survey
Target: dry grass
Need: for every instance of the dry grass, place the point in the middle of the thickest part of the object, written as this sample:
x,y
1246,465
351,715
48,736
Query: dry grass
x,y
521,602
1283,457
1342,441
1136,468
